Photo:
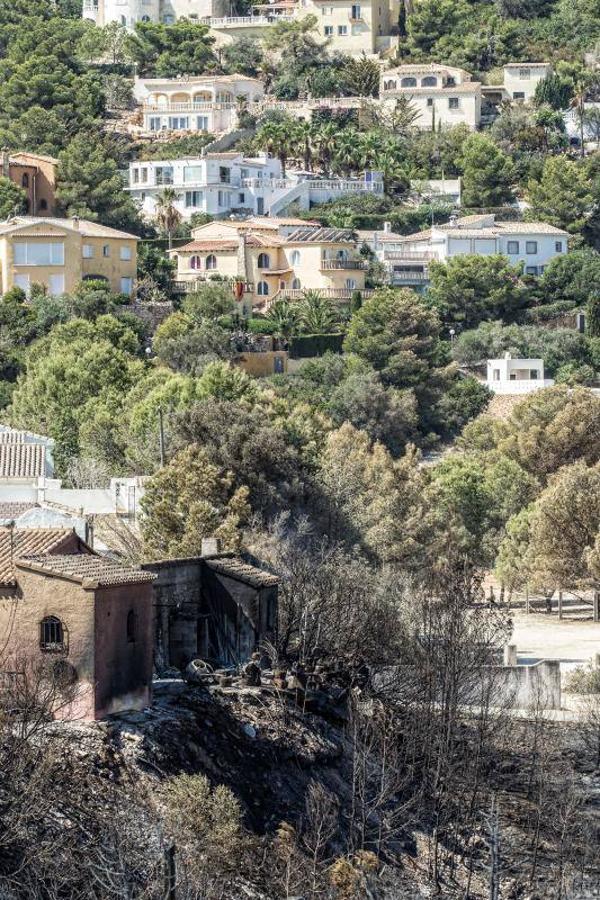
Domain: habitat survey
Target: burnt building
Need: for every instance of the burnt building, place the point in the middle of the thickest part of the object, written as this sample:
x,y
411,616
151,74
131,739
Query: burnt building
x,y
218,608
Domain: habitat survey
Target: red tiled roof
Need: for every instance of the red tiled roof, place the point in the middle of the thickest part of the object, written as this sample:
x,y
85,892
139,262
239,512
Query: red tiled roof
x,y
89,570
18,542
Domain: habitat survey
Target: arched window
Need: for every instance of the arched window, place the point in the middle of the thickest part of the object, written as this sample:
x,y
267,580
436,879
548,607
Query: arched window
x,y
52,634
43,204
131,627
211,261
264,261
295,257
342,254
25,181
195,262
296,285
389,85
408,82
429,81
263,289
351,284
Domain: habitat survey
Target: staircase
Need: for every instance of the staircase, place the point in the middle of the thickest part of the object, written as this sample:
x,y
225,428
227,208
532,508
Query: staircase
x,y
283,198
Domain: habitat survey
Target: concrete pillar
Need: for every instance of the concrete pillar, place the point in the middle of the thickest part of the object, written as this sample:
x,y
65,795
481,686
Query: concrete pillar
x,y
560,606
510,654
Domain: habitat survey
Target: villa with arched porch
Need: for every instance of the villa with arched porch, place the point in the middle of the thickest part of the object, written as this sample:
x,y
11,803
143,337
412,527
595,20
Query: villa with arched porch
x,y
209,104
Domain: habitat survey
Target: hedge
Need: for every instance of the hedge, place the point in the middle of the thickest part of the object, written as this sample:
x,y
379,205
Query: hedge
x,y
307,345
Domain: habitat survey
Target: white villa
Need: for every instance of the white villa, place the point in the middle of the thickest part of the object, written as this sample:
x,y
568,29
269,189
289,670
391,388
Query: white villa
x,y
222,184
516,376
209,103
442,95
130,12
408,257
521,79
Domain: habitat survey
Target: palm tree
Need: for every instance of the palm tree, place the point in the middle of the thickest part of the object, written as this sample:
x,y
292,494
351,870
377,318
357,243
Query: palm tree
x,y
276,138
326,139
303,133
582,87
316,313
347,153
393,172
168,216
284,316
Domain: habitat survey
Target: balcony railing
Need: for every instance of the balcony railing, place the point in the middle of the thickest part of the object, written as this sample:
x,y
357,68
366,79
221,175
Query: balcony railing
x,y
187,106
408,255
244,21
409,276
328,264
187,286
328,293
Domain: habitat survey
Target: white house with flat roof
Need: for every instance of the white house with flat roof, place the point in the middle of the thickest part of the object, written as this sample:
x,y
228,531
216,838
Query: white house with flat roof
x,y
208,103
222,184
516,376
532,244
130,12
441,95
521,79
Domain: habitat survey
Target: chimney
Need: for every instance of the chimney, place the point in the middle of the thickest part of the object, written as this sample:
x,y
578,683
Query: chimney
x,y
210,546
387,227
453,221
5,157
242,256
76,223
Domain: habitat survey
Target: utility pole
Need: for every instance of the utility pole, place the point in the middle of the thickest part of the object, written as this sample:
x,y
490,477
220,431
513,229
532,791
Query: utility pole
x,y
493,842
161,436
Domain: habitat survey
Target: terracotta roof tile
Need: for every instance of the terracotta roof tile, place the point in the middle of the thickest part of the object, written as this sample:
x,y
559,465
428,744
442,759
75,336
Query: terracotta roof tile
x,y
22,460
10,511
17,542
90,570
239,570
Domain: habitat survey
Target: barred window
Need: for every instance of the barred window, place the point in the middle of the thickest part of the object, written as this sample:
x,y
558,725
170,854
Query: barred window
x,y
52,634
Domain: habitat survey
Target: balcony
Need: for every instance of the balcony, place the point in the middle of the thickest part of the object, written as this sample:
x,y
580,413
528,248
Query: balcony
x,y
191,106
406,277
245,21
327,293
329,264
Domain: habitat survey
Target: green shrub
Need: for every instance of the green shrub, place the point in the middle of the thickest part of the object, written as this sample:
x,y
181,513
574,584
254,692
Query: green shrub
x,y
307,345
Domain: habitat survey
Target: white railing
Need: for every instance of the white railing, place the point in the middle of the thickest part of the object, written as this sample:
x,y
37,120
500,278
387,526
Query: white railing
x,y
191,106
273,184
399,255
409,276
328,264
236,21
375,187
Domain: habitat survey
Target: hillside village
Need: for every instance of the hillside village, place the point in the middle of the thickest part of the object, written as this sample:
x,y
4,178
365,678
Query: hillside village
x,y
299,449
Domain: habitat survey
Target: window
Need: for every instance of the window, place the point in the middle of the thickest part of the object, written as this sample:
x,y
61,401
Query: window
x,y
223,198
192,174
429,81
245,173
131,629
558,246
241,199
126,286
56,285
125,253
30,253
195,262
531,270
533,374
144,176
328,30
296,284
453,103
430,101
224,175
408,82
496,375
264,261
327,10
211,261
136,176
43,204
179,123
202,123
512,247
193,199
22,281
52,635
389,85
25,181
295,259
263,289
518,95
164,175
524,73
356,12
351,284
450,81
106,250
342,30
88,251
531,247
155,123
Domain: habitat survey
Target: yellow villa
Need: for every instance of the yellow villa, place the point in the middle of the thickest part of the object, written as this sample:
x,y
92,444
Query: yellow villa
x,y
274,259
59,253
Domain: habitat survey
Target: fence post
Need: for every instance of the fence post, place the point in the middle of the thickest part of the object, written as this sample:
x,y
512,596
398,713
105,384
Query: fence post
x,y
560,608
527,608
